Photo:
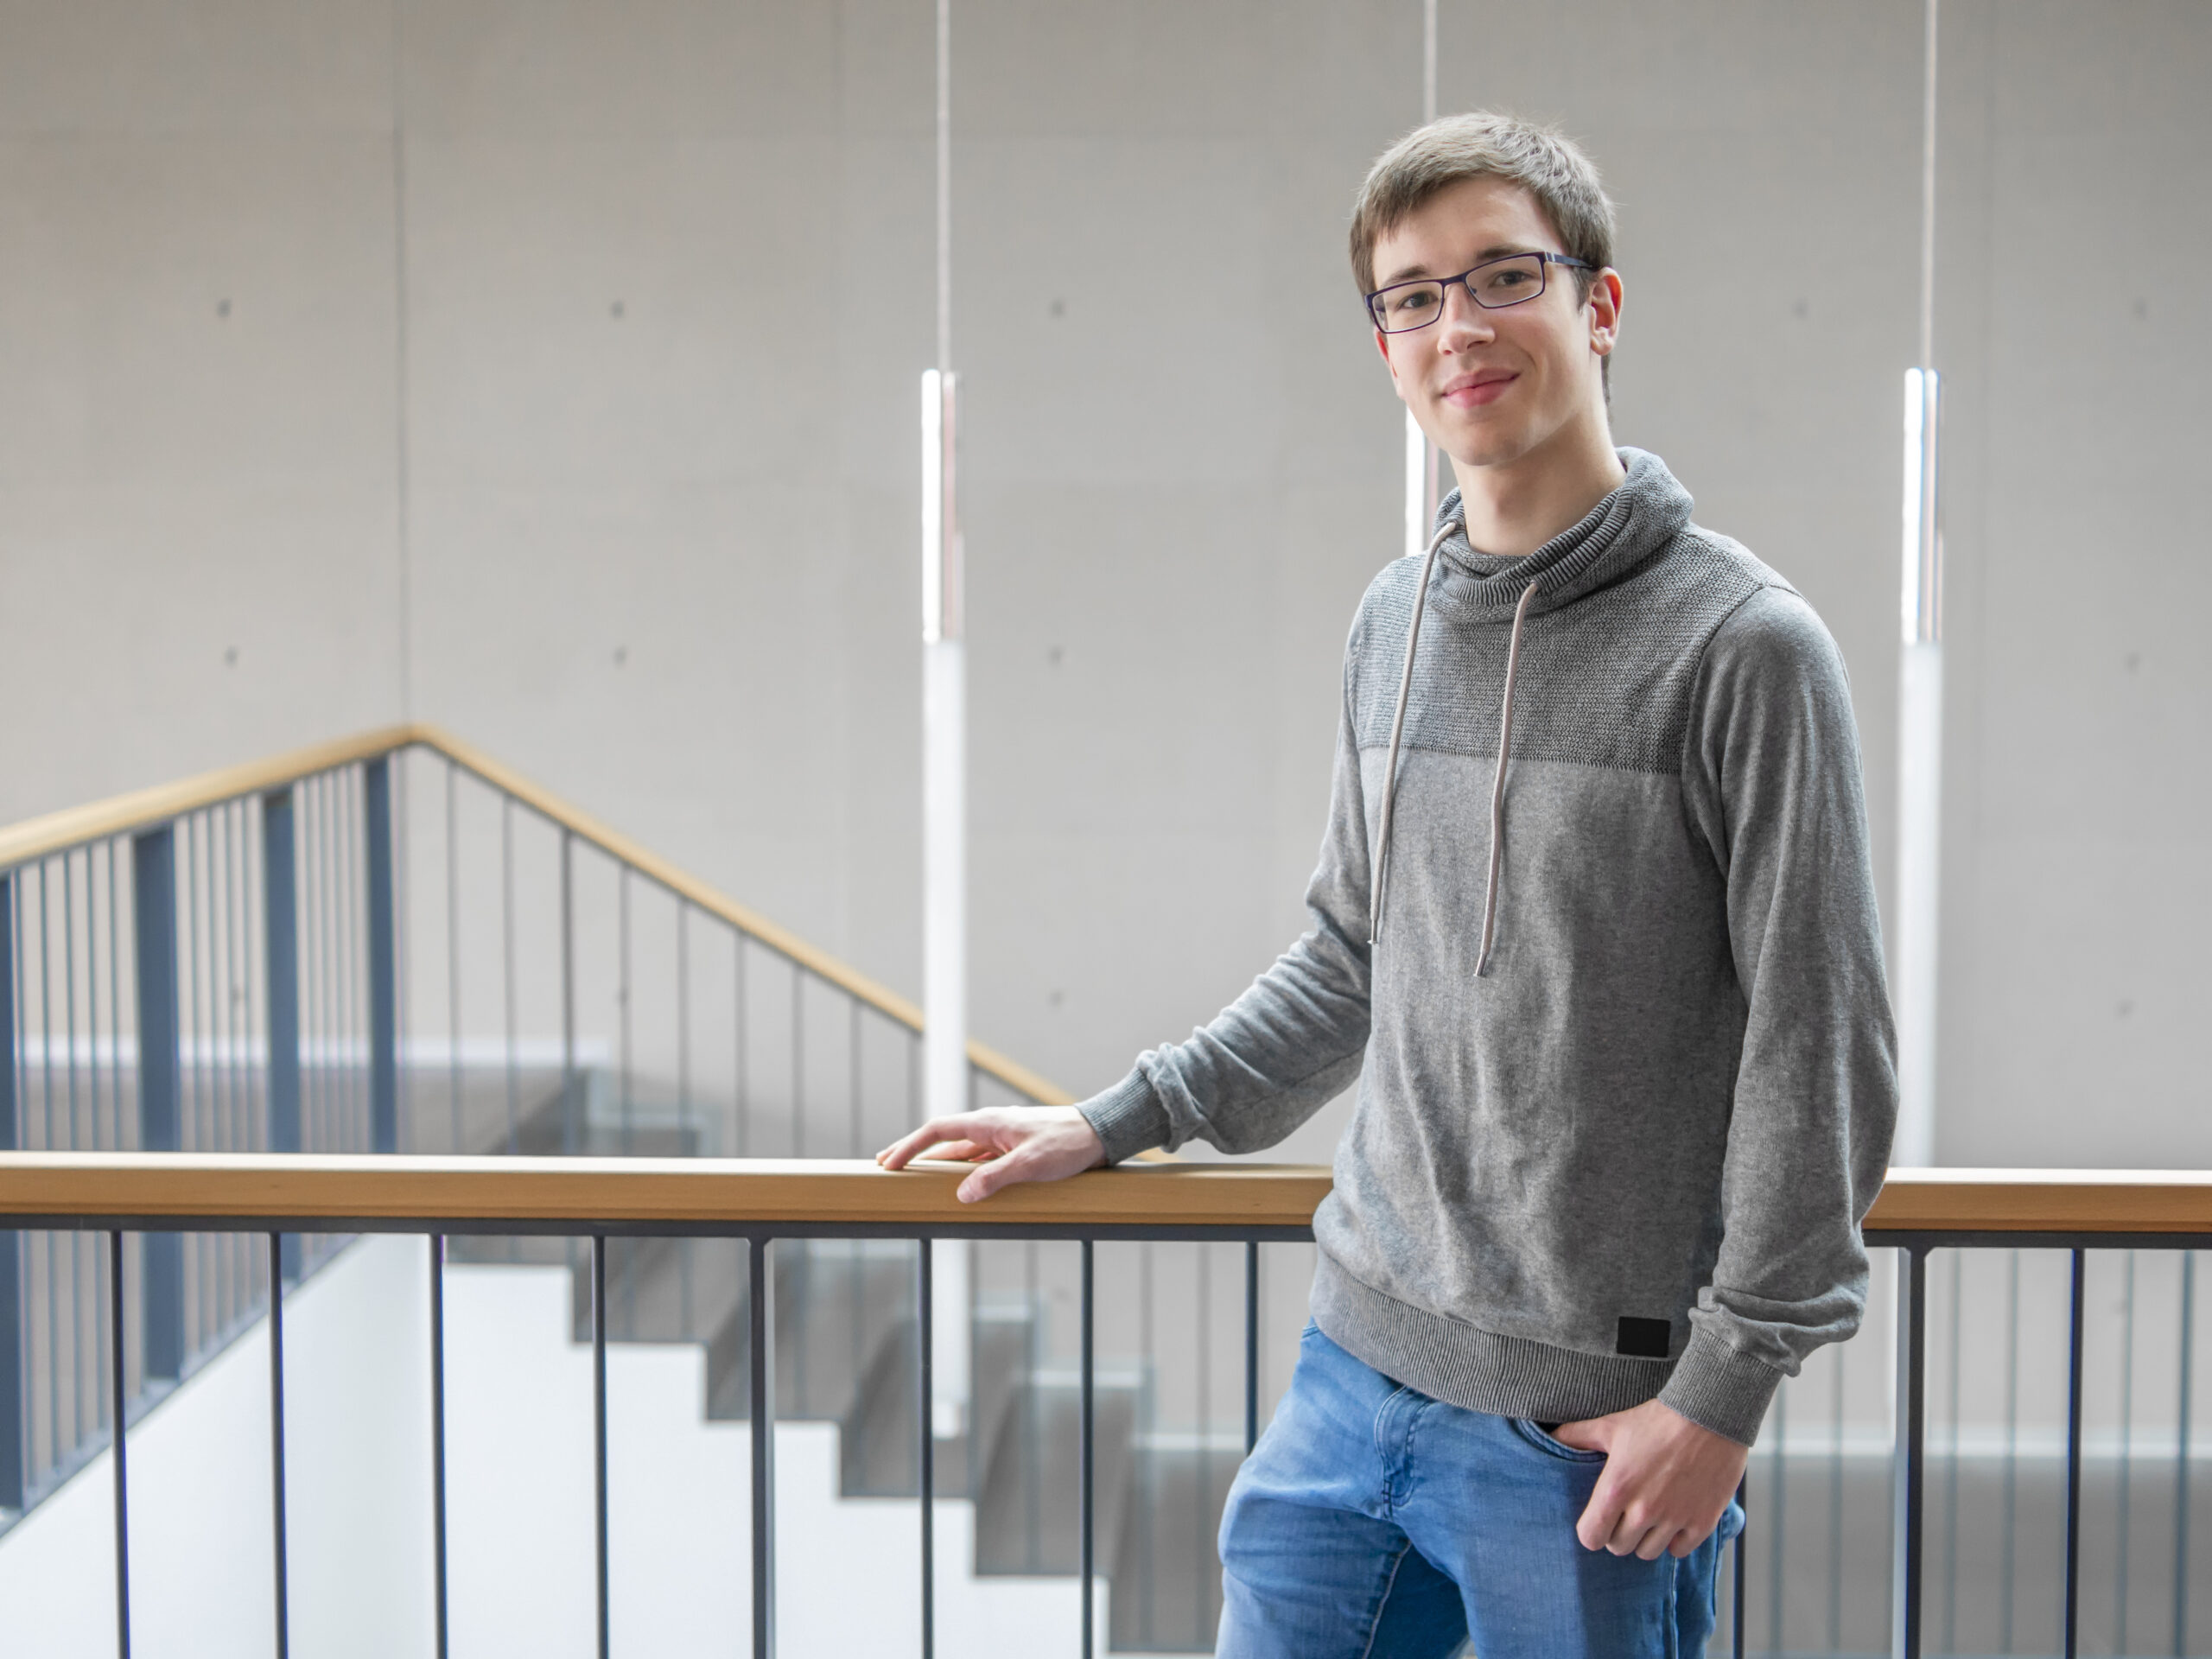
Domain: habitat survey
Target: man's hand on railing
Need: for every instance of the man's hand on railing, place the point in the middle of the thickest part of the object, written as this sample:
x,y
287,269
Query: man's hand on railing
x,y
1012,1143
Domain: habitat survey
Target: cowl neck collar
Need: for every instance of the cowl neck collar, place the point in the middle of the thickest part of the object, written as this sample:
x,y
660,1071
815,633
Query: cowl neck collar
x,y
1646,513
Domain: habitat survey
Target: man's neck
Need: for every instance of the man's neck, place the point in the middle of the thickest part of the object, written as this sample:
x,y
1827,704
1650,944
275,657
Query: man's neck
x,y
1514,508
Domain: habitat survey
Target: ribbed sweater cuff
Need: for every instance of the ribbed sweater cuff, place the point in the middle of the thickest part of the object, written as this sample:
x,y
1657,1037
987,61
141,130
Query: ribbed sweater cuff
x,y
1128,1118
1717,1388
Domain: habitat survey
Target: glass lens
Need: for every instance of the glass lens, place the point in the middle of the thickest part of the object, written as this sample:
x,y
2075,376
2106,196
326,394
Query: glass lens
x,y
1509,282
1409,305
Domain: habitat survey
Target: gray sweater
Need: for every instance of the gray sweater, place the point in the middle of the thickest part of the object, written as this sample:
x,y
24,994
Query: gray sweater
x,y
1631,1157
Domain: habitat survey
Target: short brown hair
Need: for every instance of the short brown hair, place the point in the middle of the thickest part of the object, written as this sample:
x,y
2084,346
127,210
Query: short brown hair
x,y
1543,161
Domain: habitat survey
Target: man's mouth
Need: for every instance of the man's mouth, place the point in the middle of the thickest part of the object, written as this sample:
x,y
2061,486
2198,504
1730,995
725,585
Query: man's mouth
x,y
1473,390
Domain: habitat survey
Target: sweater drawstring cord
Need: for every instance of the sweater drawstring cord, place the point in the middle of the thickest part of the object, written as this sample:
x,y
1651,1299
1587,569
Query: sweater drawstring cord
x,y
1497,784
1377,901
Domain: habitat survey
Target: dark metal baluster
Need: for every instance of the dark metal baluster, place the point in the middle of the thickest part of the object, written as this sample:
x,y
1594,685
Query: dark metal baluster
x,y
323,873
115,1128
345,894
1032,1457
154,885
1202,1488
760,1325
2180,1458
1911,1453
14,1418
384,961
119,1452
507,965
197,864
2011,1451
115,991
223,940
438,1436
1086,1478
925,1430
310,943
799,1065
403,910
853,1083
57,1450
277,1439
571,1095
622,995
79,1303
598,1422
1251,1345
742,1099
1148,1467
683,1011
2127,1459
453,943
2071,1616
1951,1464
1835,1502
280,915
1736,1575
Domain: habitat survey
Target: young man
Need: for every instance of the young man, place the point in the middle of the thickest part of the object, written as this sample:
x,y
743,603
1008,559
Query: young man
x,y
1594,928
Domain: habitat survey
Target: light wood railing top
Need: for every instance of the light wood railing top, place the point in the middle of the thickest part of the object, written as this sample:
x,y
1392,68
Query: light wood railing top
x,y
710,1191
120,815
828,1192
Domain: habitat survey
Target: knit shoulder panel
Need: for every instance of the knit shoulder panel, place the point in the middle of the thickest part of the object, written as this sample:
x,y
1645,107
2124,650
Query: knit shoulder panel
x,y
1603,681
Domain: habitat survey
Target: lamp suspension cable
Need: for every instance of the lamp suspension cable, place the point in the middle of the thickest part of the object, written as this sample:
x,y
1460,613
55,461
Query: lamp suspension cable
x,y
1920,688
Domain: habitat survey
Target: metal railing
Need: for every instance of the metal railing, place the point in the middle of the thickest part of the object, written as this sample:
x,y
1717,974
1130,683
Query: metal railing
x,y
765,1204
395,945
388,943
761,1204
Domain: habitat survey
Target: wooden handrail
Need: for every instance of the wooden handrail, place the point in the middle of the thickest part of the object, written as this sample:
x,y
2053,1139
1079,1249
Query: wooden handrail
x,y
832,1192
2044,1201
584,1190
121,814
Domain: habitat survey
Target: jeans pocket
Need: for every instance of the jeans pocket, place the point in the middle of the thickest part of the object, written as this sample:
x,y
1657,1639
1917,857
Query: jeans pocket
x,y
1535,1434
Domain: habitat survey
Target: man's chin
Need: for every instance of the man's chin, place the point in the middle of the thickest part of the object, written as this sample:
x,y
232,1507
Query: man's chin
x,y
1486,450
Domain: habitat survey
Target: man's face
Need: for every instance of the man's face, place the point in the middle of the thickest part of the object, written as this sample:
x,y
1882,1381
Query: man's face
x,y
1490,387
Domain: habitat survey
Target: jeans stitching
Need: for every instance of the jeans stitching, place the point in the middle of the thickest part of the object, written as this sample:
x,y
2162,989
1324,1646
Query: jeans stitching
x,y
1385,1499
1406,1451
1375,1628
1551,1446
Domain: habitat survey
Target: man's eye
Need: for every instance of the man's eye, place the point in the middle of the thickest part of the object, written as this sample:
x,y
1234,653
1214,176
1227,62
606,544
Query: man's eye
x,y
1413,301
1514,278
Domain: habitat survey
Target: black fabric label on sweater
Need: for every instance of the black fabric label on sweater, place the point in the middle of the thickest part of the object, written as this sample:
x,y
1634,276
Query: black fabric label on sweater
x,y
1643,1338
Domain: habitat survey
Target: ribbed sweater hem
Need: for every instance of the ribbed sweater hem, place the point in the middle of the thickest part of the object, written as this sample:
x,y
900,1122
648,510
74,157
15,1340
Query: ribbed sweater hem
x,y
1463,1365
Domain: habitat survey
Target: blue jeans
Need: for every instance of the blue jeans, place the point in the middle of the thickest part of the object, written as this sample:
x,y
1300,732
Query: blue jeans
x,y
1374,1522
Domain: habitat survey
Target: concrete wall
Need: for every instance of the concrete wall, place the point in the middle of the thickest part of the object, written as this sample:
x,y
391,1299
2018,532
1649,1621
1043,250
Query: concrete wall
x,y
548,372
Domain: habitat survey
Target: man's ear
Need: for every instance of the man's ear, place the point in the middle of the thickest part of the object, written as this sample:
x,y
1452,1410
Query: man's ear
x,y
1604,308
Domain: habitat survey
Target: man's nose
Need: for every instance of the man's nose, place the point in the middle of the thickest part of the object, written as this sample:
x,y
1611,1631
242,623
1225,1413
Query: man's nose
x,y
1463,319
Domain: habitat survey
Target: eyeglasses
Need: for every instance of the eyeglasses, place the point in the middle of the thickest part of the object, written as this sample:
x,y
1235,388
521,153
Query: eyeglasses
x,y
1495,283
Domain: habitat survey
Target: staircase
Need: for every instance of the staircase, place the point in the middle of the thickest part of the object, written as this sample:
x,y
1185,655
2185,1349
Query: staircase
x,y
845,1356
392,942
